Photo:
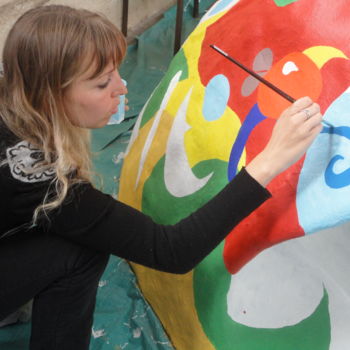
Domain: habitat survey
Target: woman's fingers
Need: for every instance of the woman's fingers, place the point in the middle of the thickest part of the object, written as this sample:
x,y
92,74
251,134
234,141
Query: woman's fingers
x,y
314,121
309,112
126,104
303,111
291,136
300,104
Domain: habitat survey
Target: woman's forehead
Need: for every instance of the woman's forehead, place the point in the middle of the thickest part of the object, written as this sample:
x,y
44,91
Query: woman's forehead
x,y
91,71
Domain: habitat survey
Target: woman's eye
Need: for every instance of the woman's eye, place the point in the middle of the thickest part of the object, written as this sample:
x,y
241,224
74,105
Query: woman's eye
x,y
104,85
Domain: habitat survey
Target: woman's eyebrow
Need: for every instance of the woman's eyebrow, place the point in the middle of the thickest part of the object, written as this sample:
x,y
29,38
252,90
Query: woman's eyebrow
x,y
102,75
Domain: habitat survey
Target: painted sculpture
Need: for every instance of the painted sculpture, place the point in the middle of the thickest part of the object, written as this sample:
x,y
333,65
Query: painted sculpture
x,y
272,284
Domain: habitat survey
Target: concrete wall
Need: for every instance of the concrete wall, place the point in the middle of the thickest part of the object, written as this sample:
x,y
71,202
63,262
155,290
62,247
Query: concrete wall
x,y
142,13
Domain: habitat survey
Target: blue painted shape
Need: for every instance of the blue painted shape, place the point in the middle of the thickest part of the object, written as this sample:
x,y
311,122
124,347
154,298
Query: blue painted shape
x,y
323,191
332,178
253,118
221,5
216,96
337,180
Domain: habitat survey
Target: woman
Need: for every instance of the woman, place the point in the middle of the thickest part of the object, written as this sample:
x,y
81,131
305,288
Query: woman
x,y
60,79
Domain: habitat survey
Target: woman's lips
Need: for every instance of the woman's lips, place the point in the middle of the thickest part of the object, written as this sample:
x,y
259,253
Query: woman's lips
x,y
114,110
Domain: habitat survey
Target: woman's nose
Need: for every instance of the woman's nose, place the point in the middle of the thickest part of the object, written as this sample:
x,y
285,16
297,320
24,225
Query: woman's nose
x,y
124,89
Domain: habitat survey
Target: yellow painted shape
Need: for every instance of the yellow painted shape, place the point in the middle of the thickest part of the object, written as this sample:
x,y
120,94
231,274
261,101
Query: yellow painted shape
x,y
206,140
192,46
209,139
171,295
127,193
320,55
181,90
198,34
243,160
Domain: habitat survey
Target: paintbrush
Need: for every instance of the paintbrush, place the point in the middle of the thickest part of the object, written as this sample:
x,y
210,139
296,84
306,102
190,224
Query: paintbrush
x,y
257,76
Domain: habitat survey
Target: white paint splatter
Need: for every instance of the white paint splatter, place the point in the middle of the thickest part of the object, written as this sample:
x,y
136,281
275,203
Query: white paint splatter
x,y
136,316
167,343
136,333
102,283
119,157
98,333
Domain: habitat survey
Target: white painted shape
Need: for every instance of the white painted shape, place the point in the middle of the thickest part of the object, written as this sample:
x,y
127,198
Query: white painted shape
x,y
332,252
155,124
276,289
289,67
178,176
136,128
310,263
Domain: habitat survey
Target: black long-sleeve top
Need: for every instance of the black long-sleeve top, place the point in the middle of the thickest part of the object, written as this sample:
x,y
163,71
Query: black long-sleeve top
x,y
94,219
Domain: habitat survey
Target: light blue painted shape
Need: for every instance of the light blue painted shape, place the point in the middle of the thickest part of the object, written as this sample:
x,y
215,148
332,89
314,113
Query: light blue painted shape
x,y
216,96
118,117
221,5
323,196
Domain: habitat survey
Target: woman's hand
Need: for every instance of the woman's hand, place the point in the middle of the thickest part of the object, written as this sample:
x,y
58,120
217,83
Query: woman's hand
x,y
291,136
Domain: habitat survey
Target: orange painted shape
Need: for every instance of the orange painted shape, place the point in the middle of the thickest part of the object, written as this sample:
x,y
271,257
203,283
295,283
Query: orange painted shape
x,y
305,80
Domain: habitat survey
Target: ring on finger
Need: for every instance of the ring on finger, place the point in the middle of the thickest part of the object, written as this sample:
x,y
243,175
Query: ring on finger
x,y
307,114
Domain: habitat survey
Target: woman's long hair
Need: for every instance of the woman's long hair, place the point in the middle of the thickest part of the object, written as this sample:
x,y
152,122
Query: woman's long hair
x,y
45,51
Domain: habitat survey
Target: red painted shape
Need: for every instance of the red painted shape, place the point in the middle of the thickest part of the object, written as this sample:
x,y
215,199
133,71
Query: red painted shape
x,y
254,25
243,32
275,221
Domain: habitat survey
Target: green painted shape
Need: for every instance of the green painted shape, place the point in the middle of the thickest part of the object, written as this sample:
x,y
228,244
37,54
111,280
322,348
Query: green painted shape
x,y
158,203
212,281
282,3
178,63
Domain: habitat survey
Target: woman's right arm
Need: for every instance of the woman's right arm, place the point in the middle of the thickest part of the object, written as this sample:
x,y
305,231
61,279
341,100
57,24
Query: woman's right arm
x,y
97,220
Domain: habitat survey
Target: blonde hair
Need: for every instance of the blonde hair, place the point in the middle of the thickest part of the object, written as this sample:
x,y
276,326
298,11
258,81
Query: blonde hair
x,y
45,51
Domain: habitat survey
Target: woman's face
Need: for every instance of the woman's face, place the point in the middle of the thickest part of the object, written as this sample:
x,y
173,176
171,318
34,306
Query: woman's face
x,y
89,102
